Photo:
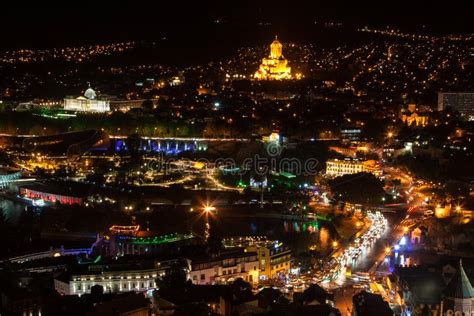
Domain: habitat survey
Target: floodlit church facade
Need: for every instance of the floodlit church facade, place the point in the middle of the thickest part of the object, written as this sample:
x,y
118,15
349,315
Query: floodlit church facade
x,y
87,103
275,66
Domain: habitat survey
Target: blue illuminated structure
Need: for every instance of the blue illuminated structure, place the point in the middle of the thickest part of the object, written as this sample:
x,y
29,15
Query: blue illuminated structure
x,y
403,241
166,146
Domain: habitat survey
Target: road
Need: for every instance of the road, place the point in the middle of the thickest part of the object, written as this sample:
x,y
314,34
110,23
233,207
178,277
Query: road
x,y
343,298
374,261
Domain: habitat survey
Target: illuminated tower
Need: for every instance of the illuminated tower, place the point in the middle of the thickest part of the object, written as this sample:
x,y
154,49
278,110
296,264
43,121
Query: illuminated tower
x,y
276,49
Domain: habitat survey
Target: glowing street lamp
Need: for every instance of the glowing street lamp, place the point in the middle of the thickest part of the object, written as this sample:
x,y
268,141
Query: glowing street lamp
x,y
209,208
335,244
387,250
405,229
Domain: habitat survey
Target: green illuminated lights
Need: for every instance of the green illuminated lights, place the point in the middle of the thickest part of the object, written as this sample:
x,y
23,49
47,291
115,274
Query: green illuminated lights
x,y
158,240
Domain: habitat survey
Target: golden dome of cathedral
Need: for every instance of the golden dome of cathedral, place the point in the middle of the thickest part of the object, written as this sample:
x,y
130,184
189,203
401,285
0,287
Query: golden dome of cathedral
x,y
276,49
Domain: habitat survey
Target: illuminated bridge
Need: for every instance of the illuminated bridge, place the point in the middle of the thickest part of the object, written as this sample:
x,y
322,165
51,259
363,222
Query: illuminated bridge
x,y
165,146
72,144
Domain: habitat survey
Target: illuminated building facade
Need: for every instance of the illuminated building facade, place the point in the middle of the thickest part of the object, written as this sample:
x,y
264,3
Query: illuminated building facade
x,y
258,182
442,211
275,66
336,167
227,268
273,137
416,235
87,103
111,281
53,195
351,134
412,117
274,259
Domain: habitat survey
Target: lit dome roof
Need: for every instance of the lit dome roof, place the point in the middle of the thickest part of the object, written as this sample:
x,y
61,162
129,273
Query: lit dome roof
x,y
276,41
276,49
90,94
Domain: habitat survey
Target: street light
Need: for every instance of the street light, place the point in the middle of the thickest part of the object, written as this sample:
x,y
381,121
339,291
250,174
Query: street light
x,y
387,250
207,228
335,244
209,208
405,229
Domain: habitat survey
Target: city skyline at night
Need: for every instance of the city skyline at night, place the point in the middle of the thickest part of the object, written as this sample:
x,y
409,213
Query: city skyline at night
x,y
260,158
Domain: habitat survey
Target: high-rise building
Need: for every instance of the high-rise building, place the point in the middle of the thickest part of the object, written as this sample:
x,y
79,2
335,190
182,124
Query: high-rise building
x,y
463,102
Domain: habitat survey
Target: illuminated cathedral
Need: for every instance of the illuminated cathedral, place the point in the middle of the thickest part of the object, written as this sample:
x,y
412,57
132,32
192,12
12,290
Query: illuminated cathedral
x,y
275,66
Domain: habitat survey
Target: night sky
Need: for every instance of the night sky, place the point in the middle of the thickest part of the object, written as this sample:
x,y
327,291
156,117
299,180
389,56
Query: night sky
x,y
42,25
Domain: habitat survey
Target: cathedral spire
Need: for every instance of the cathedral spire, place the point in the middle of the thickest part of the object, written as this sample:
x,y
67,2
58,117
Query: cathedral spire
x,y
459,286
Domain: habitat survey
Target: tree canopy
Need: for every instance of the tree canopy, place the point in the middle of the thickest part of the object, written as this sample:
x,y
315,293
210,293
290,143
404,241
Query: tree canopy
x,y
361,188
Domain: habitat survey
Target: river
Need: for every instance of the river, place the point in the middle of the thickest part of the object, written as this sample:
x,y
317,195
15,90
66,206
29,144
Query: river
x,y
11,210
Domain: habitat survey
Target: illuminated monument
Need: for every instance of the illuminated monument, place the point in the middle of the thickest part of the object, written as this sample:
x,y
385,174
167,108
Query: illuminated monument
x,y
275,66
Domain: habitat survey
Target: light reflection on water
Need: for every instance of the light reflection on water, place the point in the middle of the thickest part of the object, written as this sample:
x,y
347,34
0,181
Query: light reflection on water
x,y
11,210
296,234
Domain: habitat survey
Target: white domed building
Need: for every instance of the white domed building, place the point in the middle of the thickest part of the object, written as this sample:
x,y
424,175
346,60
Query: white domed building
x,y
87,103
90,94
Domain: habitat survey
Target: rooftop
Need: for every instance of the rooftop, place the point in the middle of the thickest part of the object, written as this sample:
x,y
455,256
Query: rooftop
x,y
369,304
